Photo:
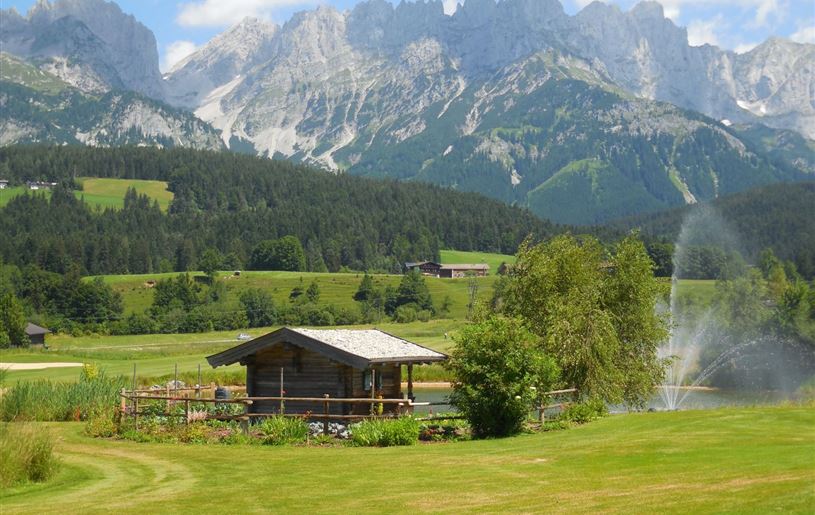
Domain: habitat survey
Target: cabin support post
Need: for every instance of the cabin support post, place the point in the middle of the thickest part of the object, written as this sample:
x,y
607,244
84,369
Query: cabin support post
x,y
325,412
410,382
373,390
282,391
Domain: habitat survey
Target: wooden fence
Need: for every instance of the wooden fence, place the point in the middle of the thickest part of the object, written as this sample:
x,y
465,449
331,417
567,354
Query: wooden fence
x,y
131,400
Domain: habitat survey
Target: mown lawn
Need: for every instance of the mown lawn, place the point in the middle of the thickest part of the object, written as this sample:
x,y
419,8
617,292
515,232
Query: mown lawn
x,y
754,460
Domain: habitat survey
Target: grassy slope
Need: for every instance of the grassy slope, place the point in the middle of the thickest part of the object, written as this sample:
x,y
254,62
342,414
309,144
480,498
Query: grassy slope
x,y
105,193
731,460
455,257
337,289
158,354
111,192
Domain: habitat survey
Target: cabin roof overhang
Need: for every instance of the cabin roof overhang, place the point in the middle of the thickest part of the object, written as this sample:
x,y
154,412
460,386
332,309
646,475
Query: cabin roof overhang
x,y
355,348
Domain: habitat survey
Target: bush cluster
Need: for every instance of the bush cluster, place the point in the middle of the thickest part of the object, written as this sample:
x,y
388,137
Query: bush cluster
x,y
385,432
281,430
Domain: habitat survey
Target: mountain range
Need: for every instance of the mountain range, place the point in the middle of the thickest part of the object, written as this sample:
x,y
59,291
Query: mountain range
x,y
581,118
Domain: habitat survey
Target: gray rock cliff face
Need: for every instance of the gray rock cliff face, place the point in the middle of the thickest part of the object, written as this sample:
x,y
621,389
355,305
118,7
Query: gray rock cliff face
x,y
91,44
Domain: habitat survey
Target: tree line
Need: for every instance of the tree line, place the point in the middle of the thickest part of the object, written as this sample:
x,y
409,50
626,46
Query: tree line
x,y
230,203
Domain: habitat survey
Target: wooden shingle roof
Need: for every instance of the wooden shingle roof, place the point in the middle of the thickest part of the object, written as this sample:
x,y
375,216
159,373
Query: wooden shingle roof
x,y
359,348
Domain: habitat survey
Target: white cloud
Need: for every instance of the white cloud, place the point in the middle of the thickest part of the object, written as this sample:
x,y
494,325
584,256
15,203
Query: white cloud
x,y
450,6
702,32
223,13
743,48
804,34
175,52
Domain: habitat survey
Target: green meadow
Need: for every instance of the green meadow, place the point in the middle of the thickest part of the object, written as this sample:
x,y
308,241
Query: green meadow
x,y
337,289
747,460
111,192
103,193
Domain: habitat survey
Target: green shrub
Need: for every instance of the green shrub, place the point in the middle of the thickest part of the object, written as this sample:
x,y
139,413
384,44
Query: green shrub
x,y
194,433
102,425
280,430
498,370
442,430
584,412
385,432
26,454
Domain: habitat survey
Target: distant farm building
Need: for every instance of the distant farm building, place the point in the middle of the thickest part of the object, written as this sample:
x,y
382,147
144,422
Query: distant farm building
x,y
40,185
479,270
3,184
36,334
432,269
312,363
425,267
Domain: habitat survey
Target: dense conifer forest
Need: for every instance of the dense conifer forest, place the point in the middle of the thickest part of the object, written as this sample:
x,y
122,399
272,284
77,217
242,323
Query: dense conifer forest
x,y
231,203
778,217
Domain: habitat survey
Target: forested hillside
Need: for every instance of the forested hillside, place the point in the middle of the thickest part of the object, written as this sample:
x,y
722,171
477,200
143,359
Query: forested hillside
x,y
230,203
780,217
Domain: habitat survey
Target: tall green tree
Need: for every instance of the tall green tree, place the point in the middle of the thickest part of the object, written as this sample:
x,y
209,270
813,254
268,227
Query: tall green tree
x,y
12,322
413,290
594,314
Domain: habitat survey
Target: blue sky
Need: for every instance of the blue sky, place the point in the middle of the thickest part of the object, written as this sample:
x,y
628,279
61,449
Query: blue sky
x,y
734,24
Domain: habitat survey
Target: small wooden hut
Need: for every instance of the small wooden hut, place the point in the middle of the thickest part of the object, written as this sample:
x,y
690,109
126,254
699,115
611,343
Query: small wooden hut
x,y
36,334
341,363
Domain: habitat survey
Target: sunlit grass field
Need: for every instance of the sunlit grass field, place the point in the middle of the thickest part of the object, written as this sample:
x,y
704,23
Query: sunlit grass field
x,y
111,192
336,289
103,193
453,257
745,460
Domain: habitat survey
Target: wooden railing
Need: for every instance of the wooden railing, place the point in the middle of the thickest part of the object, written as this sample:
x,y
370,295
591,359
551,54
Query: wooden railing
x,y
130,401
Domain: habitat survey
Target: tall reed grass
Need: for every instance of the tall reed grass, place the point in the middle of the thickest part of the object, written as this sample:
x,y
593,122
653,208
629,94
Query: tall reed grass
x,y
26,454
46,400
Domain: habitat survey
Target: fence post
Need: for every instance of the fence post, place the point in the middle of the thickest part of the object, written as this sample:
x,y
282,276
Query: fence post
x,y
245,419
282,391
325,412
136,410
187,411
122,402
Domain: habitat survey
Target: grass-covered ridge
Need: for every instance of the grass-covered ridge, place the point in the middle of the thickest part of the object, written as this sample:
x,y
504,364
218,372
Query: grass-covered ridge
x,y
731,460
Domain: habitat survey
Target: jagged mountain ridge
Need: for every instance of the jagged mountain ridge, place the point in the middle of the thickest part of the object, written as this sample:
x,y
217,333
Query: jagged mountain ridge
x,y
90,44
37,107
409,92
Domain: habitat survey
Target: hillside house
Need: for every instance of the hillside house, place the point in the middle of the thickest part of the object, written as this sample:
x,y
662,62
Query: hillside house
x,y
3,184
428,268
341,363
40,185
464,270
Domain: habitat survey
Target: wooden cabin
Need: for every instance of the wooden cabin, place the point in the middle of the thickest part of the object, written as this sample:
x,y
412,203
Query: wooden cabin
x,y
36,334
341,363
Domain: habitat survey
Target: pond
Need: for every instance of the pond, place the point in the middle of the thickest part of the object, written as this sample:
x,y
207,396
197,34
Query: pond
x,y
703,398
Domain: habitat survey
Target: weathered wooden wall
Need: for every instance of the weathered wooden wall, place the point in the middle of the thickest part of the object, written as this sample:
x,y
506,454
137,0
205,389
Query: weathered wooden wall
x,y
310,374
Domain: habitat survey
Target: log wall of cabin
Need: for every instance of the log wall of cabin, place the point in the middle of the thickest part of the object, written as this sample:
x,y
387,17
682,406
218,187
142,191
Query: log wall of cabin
x,y
305,374
311,374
